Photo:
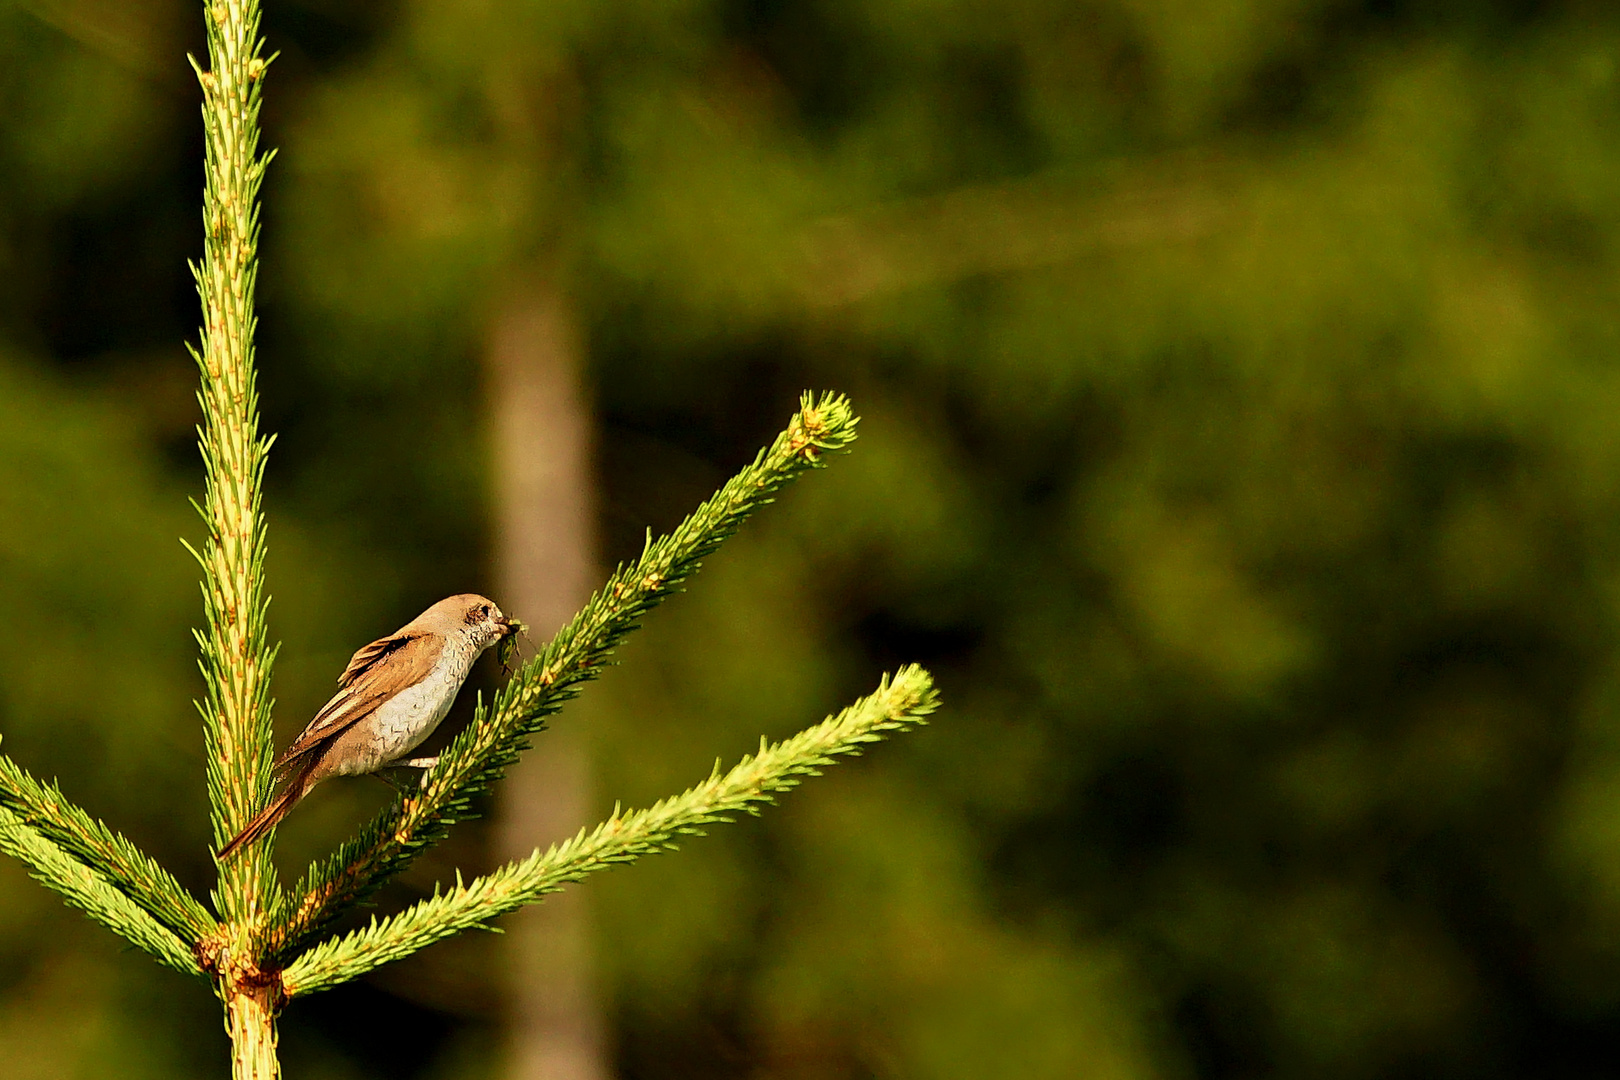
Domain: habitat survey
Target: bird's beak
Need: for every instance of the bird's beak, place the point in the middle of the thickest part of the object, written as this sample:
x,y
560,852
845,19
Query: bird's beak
x,y
506,627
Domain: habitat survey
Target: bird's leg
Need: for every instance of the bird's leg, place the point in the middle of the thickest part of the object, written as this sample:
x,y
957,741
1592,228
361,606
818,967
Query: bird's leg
x,y
401,784
398,783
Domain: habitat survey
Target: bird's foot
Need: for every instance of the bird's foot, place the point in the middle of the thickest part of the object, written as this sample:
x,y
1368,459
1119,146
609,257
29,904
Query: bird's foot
x,y
392,774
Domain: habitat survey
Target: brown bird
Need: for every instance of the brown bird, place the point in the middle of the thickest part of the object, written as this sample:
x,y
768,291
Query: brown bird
x,y
393,694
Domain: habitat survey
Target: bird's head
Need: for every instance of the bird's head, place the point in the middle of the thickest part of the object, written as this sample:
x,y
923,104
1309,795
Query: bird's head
x,y
473,618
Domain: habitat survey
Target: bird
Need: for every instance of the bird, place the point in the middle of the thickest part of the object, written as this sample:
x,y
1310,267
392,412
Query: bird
x,y
391,697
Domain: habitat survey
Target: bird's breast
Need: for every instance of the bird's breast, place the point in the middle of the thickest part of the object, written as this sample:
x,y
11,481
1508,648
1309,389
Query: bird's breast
x,y
404,721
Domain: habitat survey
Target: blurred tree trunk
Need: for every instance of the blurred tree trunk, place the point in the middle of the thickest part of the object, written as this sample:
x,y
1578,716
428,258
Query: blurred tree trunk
x,y
544,556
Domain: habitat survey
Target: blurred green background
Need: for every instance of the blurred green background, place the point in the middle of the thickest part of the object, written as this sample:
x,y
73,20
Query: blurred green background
x,y
1240,383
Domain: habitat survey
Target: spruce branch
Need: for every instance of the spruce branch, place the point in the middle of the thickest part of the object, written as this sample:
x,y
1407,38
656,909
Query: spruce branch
x,y
236,657
88,891
903,701
498,734
42,808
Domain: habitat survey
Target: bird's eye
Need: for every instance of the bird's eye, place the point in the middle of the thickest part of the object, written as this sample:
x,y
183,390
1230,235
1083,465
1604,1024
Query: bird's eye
x,y
485,610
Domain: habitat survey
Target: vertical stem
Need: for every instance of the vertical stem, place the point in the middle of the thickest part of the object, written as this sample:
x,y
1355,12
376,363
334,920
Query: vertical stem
x,y
250,1017
236,659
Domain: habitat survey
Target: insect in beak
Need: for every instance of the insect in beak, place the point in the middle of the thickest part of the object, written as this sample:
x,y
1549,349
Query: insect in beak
x,y
510,628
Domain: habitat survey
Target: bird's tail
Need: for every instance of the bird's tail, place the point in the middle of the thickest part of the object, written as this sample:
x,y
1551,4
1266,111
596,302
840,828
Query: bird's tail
x,y
270,816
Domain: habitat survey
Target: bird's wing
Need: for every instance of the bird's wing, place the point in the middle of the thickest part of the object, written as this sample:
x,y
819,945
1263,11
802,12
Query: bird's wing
x,y
368,655
377,672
